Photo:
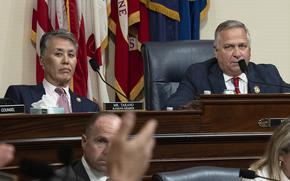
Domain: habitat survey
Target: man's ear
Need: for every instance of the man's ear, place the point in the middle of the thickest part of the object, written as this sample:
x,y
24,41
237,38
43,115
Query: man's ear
x,y
42,63
281,158
215,51
84,140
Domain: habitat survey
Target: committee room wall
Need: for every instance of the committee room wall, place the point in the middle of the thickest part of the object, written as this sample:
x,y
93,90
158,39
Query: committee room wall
x,y
268,22
17,65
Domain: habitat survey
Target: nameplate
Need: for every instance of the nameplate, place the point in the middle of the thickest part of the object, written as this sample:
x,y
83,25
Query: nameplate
x,y
123,106
12,109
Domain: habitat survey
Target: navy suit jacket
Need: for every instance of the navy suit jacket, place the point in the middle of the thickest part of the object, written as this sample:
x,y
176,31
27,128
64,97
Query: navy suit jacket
x,y
74,172
208,76
28,94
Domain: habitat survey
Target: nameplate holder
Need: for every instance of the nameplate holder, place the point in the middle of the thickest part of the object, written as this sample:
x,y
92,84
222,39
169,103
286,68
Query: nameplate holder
x,y
117,106
270,122
12,109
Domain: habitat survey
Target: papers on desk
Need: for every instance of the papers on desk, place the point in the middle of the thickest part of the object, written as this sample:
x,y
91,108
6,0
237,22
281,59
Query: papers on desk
x,y
45,106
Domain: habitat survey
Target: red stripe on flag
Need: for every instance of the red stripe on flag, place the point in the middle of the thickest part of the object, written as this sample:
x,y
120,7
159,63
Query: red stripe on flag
x,y
43,16
81,72
73,18
121,54
136,61
39,70
34,20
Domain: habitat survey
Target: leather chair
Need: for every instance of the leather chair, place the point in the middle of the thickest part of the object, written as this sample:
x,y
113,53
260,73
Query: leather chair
x,y
164,65
201,173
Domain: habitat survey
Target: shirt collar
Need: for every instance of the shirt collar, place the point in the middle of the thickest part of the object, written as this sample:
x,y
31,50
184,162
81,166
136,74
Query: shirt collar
x,y
50,87
92,173
243,77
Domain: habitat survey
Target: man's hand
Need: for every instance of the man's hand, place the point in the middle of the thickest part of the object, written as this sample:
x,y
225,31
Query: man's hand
x,y
129,159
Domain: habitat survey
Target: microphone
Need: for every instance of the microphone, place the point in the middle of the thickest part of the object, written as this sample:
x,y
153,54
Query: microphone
x,y
250,174
244,68
96,68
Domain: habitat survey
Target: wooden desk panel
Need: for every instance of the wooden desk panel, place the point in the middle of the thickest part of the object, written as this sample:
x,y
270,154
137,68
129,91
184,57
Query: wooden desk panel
x,y
238,113
220,131
172,152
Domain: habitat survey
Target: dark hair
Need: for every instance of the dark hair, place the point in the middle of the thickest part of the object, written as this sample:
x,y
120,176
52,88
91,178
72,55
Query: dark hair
x,y
92,120
61,33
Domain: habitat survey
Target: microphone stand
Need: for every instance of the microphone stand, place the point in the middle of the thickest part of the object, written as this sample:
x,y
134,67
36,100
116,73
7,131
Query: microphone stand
x,y
95,67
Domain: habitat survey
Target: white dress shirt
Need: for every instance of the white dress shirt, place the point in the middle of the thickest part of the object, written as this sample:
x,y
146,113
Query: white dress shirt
x,y
92,173
243,83
50,91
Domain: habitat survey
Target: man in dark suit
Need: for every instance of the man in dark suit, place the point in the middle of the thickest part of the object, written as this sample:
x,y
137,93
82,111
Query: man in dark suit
x,y
232,44
108,151
96,141
58,50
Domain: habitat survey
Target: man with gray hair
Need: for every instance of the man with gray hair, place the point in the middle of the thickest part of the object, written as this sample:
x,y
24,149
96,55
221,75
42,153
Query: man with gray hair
x,y
58,58
232,43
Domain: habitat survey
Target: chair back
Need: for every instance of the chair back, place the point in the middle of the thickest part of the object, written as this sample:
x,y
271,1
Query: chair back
x,y
164,65
201,173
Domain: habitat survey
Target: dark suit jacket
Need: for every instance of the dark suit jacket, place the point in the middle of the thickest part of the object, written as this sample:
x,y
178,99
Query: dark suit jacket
x,y
27,94
74,172
208,76
80,170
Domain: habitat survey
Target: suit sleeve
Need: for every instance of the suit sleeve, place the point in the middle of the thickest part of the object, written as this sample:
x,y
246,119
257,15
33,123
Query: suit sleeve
x,y
285,87
13,94
185,93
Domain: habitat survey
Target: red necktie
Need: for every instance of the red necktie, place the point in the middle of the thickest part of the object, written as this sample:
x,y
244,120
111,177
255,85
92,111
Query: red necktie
x,y
236,84
62,101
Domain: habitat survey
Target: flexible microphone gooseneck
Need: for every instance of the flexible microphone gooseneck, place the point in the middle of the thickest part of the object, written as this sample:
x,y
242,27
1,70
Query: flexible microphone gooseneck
x,y
250,174
96,68
244,68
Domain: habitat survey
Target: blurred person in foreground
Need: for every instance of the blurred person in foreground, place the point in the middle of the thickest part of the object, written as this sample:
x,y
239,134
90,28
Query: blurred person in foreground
x,y
96,141
275,163
109,153
128,160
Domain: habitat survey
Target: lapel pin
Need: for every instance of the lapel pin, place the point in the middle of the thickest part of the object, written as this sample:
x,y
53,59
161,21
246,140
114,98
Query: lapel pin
x,y
257,89
79,99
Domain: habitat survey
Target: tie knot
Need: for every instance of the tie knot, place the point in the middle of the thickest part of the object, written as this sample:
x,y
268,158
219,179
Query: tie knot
x,y
60,91
236,78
